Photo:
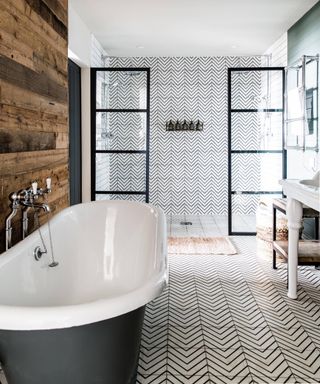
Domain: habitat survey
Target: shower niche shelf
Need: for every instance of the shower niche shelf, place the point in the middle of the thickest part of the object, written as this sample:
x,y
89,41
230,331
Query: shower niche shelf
x,y
176,125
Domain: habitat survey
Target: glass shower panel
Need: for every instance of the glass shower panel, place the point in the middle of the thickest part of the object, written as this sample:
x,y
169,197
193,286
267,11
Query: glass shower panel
x,y
122,89
120,172
256,89
246,90
121,131
256,171
256,155
256,131
244,209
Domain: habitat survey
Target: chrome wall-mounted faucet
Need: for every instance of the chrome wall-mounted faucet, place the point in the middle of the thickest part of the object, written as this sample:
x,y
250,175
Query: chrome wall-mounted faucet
x,y
26,198
14,206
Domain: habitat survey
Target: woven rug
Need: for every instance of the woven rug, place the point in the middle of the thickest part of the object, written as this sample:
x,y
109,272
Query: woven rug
x,y
201,245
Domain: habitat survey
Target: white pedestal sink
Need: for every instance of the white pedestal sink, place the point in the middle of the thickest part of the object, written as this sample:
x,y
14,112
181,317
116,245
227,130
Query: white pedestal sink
x,y
299,192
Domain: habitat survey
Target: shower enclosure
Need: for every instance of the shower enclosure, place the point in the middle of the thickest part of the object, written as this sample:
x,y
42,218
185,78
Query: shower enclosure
x,y
256,154
120,125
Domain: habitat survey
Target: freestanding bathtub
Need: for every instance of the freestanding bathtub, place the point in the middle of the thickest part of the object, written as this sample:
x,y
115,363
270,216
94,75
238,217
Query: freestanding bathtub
x,y
80,322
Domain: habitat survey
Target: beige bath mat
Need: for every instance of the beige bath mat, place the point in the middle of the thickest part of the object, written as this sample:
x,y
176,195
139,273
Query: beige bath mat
x,y
201,245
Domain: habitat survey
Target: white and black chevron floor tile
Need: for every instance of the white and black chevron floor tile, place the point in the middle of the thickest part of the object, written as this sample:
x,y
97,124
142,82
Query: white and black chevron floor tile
x,y
227,319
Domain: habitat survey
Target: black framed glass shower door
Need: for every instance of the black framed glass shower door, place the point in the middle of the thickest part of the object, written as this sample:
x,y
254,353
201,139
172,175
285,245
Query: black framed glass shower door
x,y
256,155
120,126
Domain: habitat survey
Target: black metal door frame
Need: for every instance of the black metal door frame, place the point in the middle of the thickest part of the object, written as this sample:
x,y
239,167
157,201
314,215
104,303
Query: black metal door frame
x,y
75,158
230,151
94,151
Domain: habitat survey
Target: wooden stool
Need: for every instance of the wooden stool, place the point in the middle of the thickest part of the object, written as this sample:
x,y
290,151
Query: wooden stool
x,y
309,250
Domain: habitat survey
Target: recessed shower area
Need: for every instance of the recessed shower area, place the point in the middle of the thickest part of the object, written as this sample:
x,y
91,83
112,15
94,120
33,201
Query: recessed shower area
x,y
200,137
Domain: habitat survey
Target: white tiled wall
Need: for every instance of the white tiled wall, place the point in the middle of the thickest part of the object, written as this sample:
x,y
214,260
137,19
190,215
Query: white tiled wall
x,y
279,52
98,55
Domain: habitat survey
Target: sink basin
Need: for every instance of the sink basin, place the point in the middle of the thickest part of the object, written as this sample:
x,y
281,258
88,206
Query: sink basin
x,y
306,191
311,182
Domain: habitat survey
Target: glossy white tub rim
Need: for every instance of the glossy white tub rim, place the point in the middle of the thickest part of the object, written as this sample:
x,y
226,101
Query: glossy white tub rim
x,y
117,268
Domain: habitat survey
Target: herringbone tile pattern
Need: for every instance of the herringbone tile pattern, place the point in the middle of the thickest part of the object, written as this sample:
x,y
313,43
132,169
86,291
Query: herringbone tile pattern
x,y
227,319
188,170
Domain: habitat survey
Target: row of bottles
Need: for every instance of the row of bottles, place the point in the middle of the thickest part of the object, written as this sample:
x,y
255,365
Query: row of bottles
x,y
184,125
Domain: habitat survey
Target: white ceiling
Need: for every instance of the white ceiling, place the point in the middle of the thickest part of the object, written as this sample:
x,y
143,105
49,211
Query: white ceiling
x,y
189,27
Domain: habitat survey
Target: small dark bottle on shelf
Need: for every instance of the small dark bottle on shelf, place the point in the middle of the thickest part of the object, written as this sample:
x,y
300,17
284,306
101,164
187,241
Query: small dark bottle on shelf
x,y
170,126
185,125
199,126
177,126
191,126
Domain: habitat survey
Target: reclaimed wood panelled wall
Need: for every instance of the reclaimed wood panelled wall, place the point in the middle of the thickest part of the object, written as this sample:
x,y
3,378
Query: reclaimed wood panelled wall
x,y
34,102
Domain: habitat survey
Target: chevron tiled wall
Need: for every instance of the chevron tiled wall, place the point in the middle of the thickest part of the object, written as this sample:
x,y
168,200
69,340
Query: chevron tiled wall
x,y
188,170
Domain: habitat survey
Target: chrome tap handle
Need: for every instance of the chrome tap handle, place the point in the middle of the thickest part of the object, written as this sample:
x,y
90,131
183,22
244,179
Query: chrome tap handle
x,y
14,197
24,196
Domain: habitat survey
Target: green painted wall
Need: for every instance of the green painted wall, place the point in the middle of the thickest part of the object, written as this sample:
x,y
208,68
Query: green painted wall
x,y
304,35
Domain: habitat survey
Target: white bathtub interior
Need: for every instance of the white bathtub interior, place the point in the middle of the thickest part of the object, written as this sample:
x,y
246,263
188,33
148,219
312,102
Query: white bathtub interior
x,y
103,250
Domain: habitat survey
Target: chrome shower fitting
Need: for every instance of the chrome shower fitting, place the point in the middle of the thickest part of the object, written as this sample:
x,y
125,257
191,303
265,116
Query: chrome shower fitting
x,y
25,198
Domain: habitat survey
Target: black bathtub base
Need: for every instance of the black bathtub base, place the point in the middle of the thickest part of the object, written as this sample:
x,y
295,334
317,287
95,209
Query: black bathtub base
x,y
98,353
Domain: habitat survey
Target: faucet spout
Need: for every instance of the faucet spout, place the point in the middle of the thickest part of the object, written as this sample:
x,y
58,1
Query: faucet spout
x,y
43,206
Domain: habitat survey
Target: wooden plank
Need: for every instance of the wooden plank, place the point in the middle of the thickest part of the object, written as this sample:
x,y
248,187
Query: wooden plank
x,y
280,203
309,250
41,62
58,9
62,140
19,75
41,8
13,118
18,19
55,73
15,49
20,141
63,3
33,102
25,162
14,96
